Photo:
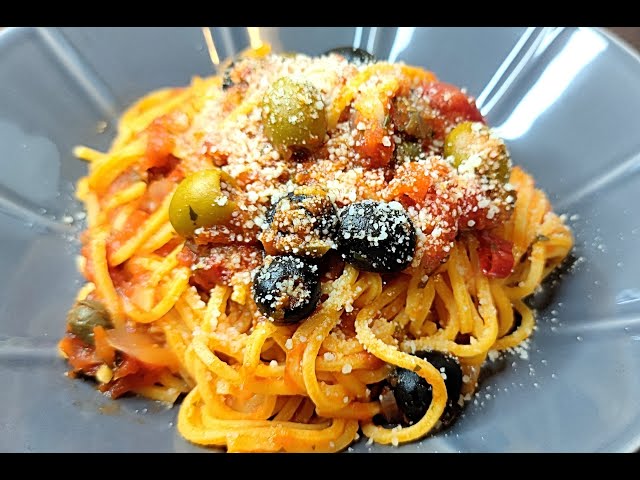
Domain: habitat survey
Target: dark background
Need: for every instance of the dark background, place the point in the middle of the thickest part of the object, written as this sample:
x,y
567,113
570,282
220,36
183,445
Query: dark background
x,y
630,34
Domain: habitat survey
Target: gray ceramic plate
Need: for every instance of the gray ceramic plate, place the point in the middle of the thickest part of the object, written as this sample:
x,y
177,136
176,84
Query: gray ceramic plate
x,y
567,102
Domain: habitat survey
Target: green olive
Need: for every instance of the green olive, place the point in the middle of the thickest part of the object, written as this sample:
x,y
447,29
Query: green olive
x,y
458,143
84,316
199,202
294,117
407,151
474,138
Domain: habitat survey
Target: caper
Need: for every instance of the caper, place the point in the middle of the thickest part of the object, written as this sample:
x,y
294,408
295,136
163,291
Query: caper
x,y
199,202
470,139
409,116
294,117
84,316
407,151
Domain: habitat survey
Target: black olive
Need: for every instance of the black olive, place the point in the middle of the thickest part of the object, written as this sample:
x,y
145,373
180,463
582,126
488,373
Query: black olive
x,y
413,393
302,223
84,316
353,55
227,81
453,382
376,236
286,288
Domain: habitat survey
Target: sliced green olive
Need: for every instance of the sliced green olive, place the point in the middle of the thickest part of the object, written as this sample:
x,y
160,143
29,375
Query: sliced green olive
x,y
199,202
470,139
458,143
84,316
294,117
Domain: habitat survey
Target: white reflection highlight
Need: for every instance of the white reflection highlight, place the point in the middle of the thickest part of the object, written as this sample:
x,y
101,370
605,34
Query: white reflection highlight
x,y
628,295
502,69
401,42
371,41
357,37
211,46
254,37
582,47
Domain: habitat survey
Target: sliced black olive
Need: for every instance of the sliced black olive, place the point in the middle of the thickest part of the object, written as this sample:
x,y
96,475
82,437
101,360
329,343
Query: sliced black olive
x,y
376,236
227,81
413,395
286,288
84,316
353,55
453,382
302,223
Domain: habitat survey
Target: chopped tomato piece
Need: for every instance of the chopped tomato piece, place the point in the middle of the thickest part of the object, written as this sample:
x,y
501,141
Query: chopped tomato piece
x,y
374,144
129,374
453,105
104,351
187,257
495,255
82,357
160,143
412,181
128,366
218,264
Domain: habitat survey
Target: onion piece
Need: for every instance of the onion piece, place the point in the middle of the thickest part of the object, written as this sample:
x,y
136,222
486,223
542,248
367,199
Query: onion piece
x,y
142,347
389,406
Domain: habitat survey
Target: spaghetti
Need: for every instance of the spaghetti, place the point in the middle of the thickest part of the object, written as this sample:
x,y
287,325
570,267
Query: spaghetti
x,y
286,247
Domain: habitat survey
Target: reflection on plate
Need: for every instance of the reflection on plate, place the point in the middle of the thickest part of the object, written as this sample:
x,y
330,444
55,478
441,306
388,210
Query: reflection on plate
x,y
565,99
